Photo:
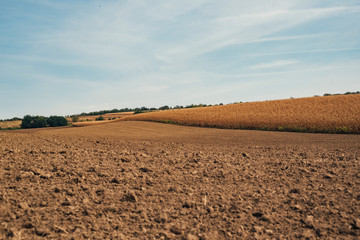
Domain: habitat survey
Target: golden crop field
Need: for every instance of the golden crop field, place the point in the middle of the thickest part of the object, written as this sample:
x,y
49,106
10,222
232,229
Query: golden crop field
x,y
90,120
107,116
333,114
9,124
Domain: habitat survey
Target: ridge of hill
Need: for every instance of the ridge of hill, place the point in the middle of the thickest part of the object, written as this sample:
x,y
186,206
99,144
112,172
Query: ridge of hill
x,y
327,114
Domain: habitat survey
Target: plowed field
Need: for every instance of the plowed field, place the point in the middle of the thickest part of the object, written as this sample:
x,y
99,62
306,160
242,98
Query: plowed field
x,y
141,180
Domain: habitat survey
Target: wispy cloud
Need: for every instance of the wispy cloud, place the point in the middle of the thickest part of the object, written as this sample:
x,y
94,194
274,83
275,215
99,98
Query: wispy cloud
x,y
152,88
114,35
160,37
227,31
286,38
307,51
173,49
273,64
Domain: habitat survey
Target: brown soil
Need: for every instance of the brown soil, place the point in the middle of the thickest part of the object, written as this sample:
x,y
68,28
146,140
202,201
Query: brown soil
x,y
140,180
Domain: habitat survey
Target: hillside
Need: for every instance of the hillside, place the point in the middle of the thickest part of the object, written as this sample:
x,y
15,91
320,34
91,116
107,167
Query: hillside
x,y
329,114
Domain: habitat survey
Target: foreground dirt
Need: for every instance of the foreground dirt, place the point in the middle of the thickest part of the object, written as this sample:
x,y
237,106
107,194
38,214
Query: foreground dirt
x,y
139,180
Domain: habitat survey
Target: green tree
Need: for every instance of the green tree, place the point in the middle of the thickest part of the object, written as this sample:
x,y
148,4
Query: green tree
x,y
26,122
75,118
164,107
56,121
40,121
33,122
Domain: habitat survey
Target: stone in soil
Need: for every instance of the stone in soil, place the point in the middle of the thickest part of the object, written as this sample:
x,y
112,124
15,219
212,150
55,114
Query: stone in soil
x,y
176,230
309,221
129,197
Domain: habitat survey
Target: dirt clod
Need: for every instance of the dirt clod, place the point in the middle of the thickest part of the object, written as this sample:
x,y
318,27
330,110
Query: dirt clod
x,y
258,229
309,221
258,214
28,225
115,180
308,234
176,230
23,205
295,191
357,223
129,197
191,237
126,159
42,231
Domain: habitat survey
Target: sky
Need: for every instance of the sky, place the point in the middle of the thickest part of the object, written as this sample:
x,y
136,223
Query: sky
x,y
67,57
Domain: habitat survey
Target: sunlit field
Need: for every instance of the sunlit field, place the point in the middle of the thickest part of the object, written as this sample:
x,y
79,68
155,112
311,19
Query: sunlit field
x,y
330,114
9,124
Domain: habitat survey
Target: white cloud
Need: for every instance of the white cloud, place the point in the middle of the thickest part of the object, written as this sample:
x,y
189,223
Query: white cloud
x,y
152,88
49,3
131,36
285,38
274,64
166,49
226,31
307,51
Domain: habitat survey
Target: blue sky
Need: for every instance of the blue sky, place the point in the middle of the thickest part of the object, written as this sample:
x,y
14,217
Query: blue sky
x,y
66,57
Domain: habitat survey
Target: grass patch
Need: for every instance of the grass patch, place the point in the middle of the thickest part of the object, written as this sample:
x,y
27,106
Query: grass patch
x,y
11,128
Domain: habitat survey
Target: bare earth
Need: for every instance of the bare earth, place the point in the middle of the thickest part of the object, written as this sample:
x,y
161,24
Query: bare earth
x,y
141,180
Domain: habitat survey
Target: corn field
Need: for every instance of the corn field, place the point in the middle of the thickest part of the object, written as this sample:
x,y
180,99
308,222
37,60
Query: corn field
x,y
330,114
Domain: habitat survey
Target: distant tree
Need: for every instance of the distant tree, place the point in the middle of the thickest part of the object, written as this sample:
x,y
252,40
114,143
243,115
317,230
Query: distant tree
x,y
138,110
27,122
75,118
56,121
52,121
40,121
14,119
62,121
33,122
100,118
164,107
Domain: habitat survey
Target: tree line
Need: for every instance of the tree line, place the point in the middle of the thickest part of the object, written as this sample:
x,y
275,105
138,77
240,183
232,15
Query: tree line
x,y
11,119
40,121
347,93
139,109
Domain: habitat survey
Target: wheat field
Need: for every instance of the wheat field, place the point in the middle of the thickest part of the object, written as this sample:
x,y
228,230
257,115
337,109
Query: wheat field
x,y
107,116
330,114
9,124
